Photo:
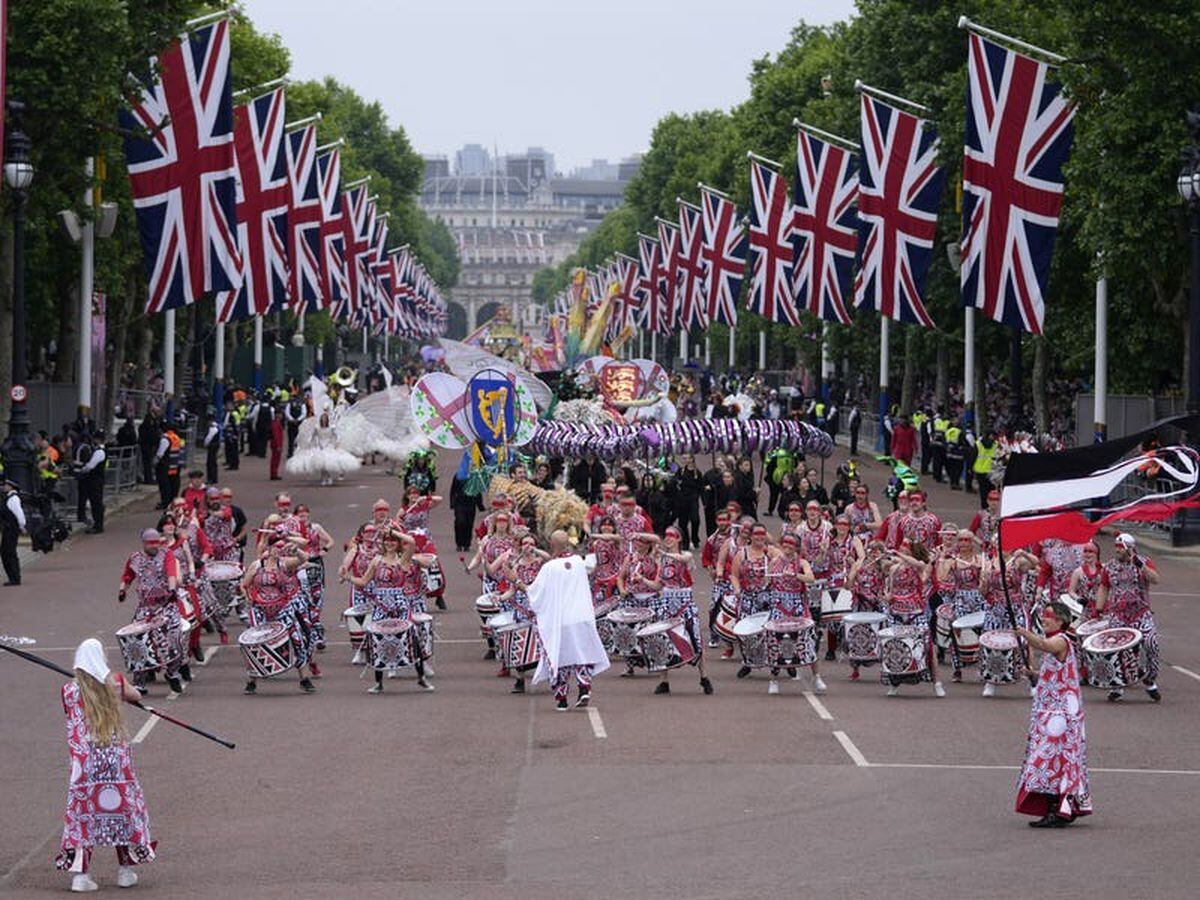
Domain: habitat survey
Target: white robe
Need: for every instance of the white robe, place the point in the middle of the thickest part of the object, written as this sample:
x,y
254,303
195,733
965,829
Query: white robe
x,y
561,598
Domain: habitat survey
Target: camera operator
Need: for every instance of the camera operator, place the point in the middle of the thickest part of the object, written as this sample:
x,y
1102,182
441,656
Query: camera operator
x,y
12,523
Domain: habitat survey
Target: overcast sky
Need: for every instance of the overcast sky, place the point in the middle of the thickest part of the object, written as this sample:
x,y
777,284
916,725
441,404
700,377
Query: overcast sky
x,y
582,78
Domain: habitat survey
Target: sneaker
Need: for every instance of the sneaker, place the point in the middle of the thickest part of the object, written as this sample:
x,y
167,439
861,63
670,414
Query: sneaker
x,y
793,674
818,684
518,686
224,637
957,676
503,672
727,653
429,670
185,672
938,690
358,659
424,685
83,884
250,688
440,603
1030,690
713,643
376,688
393,673
141,689
664,687
989,690
829,657
561,706
854,674
126,877
894,691
316,670
174,685
628,673
307,686
1155,694
585,697
490,653
706,686
743,671
1115,696
773,686
197,654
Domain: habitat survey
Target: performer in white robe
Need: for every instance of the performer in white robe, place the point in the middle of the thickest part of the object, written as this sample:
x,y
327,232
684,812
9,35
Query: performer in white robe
x,y
561,599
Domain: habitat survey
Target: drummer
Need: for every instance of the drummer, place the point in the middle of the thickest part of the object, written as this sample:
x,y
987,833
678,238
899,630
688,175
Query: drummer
x,y
866,582
816,543
219,528
520,569
395,582
986,524
677,602
795,518
157,575
789,576
1059,559
904,601
845,549
749,579
1085,580
609,549
362,549
317,542
739,538
889,530
863,513
961,574
175,544
639,579
273,589
720,579
1124,597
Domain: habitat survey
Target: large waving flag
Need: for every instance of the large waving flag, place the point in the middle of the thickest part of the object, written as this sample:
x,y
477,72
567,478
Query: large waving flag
x,y
181,173
335,278
664,277
263,200
772,246
900,188
1019,133
304,221
826,227
356,224
650,297
689,272
725,246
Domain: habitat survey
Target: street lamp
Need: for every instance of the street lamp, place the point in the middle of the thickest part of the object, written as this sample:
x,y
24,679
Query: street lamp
x,y
18,175
1188,185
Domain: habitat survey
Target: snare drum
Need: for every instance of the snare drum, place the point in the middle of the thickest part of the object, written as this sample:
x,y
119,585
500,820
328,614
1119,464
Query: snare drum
x,y
835,605
903,650
435,580
752,637
423,634
998,656
1081,631
861,635
966,636
266,649
791,643
146,645
391,643
224,578
667,645
517,642
726,618
625,625
188,614
943,625
1112,657
355,616
604,628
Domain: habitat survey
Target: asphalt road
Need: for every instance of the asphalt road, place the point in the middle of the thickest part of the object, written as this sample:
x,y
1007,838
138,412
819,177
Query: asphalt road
x,y
473,792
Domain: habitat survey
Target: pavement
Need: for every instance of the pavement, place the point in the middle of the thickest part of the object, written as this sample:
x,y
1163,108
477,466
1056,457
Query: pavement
x,y
473,792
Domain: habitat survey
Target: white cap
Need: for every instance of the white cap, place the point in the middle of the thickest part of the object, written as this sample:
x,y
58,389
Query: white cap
x,y
1125,539
89,656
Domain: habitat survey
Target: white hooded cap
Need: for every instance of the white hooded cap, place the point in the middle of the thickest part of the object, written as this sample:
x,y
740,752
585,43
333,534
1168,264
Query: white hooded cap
x,y
89,657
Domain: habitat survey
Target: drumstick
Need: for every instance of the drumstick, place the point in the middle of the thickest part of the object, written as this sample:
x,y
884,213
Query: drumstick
x,y
34,658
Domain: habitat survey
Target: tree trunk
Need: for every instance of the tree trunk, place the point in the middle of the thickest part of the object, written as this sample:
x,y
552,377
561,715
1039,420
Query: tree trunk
x,y
68,335
1041,412
912,339
117,325
942,380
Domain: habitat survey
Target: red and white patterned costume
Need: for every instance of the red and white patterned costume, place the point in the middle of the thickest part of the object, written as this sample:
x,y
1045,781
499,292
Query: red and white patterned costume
x,y
1058,560
1129,604
923,528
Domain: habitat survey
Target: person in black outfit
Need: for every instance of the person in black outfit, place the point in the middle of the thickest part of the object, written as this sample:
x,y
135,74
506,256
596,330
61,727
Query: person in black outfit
x,y
148,434
746,492
788,494
688,486
127,435
465,507
854,423
709,486
212,446
597,475
90,460
12,522
579,480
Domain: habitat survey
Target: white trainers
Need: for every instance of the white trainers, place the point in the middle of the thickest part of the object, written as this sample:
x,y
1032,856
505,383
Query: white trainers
x,y
773,686
894,690
818,684
938,690
989,690
358,659
83,884
126,877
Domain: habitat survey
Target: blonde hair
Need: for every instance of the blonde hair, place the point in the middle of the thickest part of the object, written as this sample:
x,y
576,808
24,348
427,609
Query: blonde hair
x,y
102,709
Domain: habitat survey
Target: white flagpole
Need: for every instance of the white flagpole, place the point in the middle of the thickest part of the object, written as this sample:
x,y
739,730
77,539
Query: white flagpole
x,y
169,353
732,347
683,345
826,361
258,352
87,234
883,371
219,353
1100,399
654,345
969,356
707,351
762,350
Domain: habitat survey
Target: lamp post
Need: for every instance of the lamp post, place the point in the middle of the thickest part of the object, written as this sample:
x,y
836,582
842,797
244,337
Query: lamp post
x,y
1188,185
18,448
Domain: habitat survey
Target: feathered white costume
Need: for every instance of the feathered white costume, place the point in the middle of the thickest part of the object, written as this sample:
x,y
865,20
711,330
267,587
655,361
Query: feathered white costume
x,y
318,454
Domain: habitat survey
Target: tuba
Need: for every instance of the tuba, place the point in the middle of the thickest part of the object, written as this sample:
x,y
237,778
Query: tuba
x,y
345,377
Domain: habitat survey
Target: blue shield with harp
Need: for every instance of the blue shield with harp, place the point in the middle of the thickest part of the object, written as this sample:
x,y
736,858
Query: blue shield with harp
x,y
493,405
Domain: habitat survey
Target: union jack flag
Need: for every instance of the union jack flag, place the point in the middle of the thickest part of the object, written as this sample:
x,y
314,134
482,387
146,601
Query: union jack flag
x,y
335,278
689,272
664,275
1019,133
356,240
725,245
649,296
772,246
629,279
182,174
900,187
304,221
263,199
826,227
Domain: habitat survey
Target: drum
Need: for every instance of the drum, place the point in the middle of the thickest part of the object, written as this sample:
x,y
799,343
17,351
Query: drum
x,y
1112,657
224,578
834,605
943,625
391,643
752,637
667,645
423,634
486,606
517,642
861,635
435,580
998,656
966,636
625,624
266,649
1081,631
604,628
726,618
355,616
146,645
903,650
189,616
791,643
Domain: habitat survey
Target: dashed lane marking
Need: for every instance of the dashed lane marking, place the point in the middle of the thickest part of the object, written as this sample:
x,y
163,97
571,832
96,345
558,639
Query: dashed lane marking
x,y
815,702
145,730
1188,672
597,723
852,751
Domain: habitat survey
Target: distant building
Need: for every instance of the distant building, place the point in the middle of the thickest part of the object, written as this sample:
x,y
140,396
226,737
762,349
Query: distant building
x,y
437,166
628,167
598,170
472,159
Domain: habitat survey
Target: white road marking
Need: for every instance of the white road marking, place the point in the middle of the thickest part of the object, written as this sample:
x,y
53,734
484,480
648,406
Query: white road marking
x,y
1176,594
146,728
597,723
1188,672
212,651
852,751
815,702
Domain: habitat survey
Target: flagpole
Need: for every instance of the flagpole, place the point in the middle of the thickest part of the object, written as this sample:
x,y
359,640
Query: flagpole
x,y
1100,398
707,351
732,347
683,345
883,375
654,345
967,25
218,363
826,361
169,353
762,350
258,352
87,234
969,358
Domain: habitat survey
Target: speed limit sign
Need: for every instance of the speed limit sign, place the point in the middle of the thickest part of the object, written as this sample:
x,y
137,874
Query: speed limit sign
x,y
18,393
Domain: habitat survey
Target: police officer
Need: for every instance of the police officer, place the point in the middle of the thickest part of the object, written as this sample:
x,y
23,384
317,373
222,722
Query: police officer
x,y
12,523
937,446
168,460
921,422
232,427
212,445
293,413
90,463
986,449
955,452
